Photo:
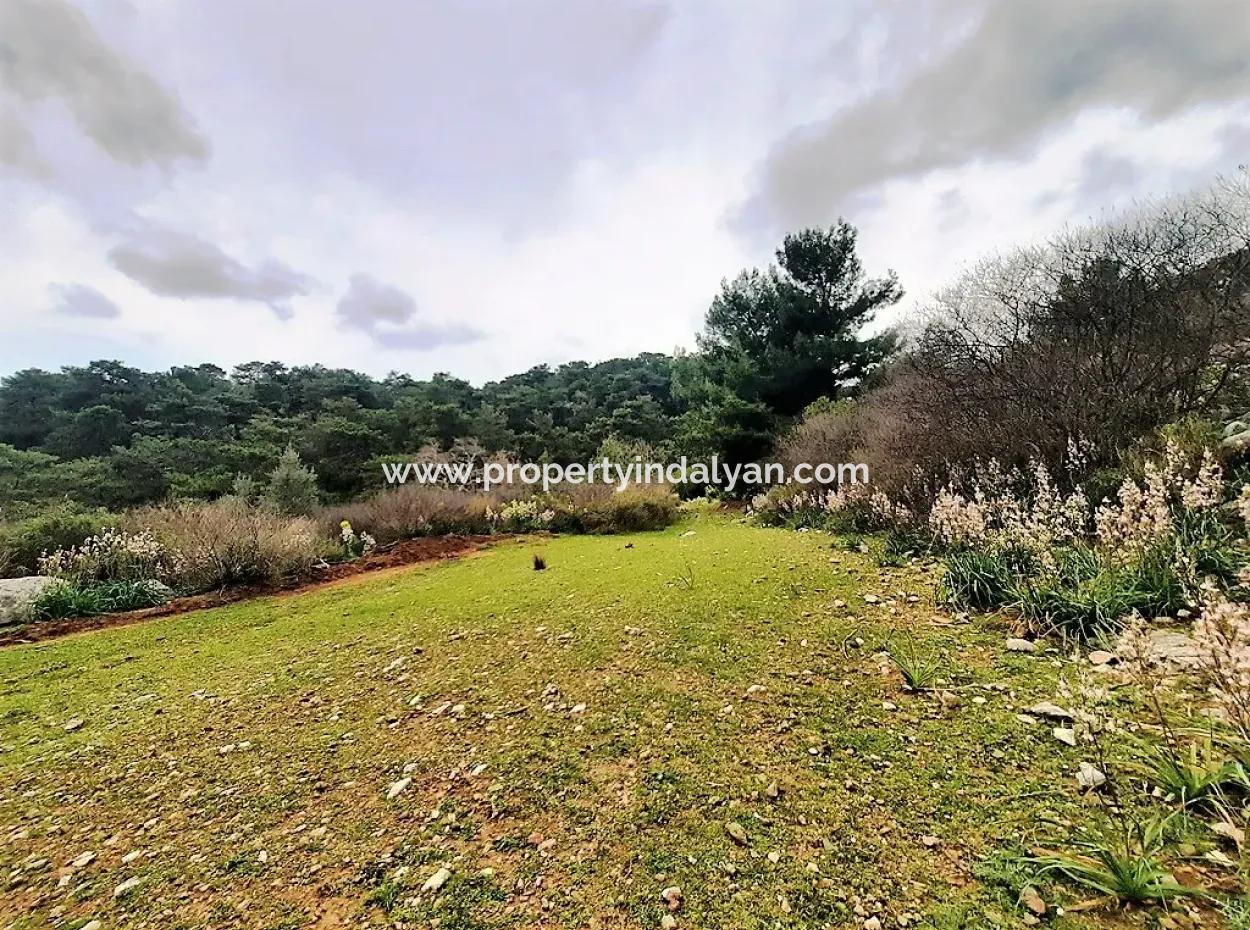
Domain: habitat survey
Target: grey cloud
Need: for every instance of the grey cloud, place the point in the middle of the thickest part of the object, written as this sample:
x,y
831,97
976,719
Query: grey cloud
x,y
1026,67
389,316
1104,176
81,300
174,264
49,49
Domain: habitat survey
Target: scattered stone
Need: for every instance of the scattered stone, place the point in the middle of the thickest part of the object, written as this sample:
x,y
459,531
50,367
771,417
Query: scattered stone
x,y
74,723
91,925
1032,901
83,861
668,922
128,885
1065,735
871,599
1021,645
131,856
1102,657
1089,775
1047,709
736,832
772,792
578,709
437,880
672,897
930,840
396,787
872,923
888,705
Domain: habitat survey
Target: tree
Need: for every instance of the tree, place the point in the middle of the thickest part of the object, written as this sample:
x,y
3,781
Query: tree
x,y
794,332
292,487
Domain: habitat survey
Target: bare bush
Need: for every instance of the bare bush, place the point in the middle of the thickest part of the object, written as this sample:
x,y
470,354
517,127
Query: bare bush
x,y
229,542
1106,332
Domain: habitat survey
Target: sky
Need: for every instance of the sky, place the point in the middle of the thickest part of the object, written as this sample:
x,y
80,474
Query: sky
x,y
479,186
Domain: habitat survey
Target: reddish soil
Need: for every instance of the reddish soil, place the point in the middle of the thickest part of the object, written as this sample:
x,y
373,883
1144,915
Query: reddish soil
x,y
395,555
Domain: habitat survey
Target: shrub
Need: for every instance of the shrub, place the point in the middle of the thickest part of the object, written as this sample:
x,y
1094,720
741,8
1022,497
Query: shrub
x,y
292,487
979,580
602,509
227,542
412,510
60,527
112,555
73,599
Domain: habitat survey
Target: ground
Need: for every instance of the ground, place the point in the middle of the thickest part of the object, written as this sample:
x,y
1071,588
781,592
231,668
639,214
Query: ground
x,y
567,743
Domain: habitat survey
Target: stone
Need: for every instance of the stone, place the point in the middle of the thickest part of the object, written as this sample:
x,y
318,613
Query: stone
x,y
1065,735
1089,775
872,923
668,922
74,723
1021,645
81,862
736,832
17,595
1032,901
437,880
128,885
91,925
396,788
772,792
1102,657
672,897
1047,709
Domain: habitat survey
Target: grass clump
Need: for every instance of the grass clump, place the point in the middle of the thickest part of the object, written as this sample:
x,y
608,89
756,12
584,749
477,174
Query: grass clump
x,y
921,667
71,599
1128,869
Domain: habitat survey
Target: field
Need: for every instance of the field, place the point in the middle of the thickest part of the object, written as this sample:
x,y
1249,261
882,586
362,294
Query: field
x,y
706,707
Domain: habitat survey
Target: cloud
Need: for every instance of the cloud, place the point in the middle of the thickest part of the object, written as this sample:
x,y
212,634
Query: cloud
x,y
81,300
175,264
1024,69
49,49
388,315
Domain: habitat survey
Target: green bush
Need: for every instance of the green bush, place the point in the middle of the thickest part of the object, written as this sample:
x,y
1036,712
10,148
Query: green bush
x,y
978,580
60,527
68,599
1083,596
628,511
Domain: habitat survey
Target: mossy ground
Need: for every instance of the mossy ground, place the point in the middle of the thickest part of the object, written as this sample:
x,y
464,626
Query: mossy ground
x,y
582,733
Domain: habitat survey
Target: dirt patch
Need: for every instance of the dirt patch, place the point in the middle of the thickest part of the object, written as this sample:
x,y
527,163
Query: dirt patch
x,y
395,555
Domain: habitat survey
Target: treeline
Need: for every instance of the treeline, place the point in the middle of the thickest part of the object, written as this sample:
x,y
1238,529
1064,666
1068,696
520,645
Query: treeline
x,y
112,436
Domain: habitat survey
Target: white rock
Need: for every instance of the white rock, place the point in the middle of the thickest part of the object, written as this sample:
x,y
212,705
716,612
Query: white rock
x,y
437,880
128,885
91,925
18,594
672,896
1065,735
1089,775
1102,657
81,862
1021,645
396,787
74,723
1047,709
872,923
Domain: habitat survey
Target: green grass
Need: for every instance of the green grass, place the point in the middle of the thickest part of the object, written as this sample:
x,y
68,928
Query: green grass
x,y
576,739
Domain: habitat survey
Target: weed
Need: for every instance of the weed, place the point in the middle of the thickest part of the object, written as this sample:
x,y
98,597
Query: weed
x,y
921,668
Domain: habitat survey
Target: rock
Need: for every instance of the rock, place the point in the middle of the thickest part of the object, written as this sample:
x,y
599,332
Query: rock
x,y
91,925
396,787
1174,647
668,922
1102,657
128,885
1047,709
84,860
872,923
772,792
1021,645
437,880
1032,901
736,832
930,840
74,723
18,594
1089,775
1065,735
871,599
672,897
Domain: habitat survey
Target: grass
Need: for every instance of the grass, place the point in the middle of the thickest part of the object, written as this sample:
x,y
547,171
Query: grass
x,y
575,739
